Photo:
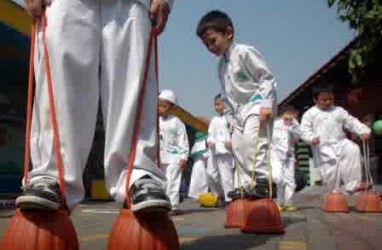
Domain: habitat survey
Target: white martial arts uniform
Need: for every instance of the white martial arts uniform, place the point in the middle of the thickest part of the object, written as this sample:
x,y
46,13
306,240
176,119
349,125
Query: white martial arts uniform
x,y
199,179
335,153
173,148
247,85
222,159
283,158
97,50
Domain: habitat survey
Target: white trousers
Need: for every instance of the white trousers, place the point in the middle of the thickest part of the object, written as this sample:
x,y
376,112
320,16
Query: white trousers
x,y
213,176
246,157
224,164
174,176
347,164
97,50
198,182
283,174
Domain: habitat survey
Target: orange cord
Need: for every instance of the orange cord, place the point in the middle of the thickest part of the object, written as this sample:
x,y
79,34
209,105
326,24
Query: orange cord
x,y
138,114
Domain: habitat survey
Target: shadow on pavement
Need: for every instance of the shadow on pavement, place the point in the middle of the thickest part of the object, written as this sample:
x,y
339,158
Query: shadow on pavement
x,y
228,242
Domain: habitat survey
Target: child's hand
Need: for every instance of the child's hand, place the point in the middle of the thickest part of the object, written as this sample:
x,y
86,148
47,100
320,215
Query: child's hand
x,y
365,137
33,7
265,114
228,145
316,141
183,164
159,12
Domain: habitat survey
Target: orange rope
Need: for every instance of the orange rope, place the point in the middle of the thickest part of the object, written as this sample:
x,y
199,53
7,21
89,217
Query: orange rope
x,y
29,105
157,85
138,114
53,117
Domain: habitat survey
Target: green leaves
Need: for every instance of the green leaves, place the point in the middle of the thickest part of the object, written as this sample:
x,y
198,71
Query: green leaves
x,y
365,17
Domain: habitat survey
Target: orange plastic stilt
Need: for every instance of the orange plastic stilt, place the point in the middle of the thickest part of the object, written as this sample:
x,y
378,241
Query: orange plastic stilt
x,y
40,229
368,202
237,213
264,217
335,202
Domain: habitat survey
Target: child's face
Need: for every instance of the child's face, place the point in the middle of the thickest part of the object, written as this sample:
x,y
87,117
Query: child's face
x,y
324,100
217,42
219,106
164,107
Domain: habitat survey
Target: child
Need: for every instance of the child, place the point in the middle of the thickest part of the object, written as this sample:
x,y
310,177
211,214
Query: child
x,y
199,179
173,147
97,49
220,145
248,92
323,126
286,132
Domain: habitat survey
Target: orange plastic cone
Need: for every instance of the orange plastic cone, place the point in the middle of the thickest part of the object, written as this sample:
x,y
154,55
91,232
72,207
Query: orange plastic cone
x,y
41,229
237,213
150,230
335,202
264,217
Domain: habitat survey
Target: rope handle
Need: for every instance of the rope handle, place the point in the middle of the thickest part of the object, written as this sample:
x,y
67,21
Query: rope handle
x,y
366,160
53,116
136,128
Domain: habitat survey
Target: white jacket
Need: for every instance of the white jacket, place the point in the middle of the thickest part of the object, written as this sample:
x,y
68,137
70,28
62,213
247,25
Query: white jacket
x,y
218,134
173,140
329,126
284,137
247,83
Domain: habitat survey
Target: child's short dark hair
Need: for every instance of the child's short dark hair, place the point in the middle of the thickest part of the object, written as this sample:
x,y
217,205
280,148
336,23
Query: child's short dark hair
x,y
216,20
218,97
316,91
288,109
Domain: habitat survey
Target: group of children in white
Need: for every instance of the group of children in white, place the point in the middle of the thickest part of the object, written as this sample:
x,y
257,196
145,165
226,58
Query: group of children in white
x,y
235,160
245,147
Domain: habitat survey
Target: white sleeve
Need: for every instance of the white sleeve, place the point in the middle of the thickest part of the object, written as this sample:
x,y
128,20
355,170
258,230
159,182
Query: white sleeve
x,y
307,132
257,68
182,140
353,124
212,131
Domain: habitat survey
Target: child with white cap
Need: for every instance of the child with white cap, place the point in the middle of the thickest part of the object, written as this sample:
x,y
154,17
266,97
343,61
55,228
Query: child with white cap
x,y
174,148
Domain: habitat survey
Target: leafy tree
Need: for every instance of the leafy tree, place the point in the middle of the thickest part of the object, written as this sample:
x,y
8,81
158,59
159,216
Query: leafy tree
x,y
365,17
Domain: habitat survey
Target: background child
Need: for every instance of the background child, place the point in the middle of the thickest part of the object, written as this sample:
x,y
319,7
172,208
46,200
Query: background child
x,y
286,132
97,50
248,92
323,126
219,142
174,147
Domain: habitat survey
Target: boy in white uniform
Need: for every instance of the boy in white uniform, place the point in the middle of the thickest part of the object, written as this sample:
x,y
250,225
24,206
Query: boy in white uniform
x,y
174,147
219,143
248,92
97,50
286,132
323,127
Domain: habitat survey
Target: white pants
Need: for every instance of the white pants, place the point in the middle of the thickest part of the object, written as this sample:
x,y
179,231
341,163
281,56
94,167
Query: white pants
x,y
249,159
198,182
283,171
213,176
224,163
97,49
347,163
174,176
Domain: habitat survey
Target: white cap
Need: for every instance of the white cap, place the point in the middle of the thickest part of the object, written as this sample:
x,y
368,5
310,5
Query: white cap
x,y
168,95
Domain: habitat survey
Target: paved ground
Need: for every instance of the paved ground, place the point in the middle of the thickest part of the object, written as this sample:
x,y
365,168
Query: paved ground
x,y
201,228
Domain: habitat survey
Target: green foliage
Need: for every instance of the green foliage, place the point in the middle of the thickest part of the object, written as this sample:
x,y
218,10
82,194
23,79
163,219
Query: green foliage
x,y
365,17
